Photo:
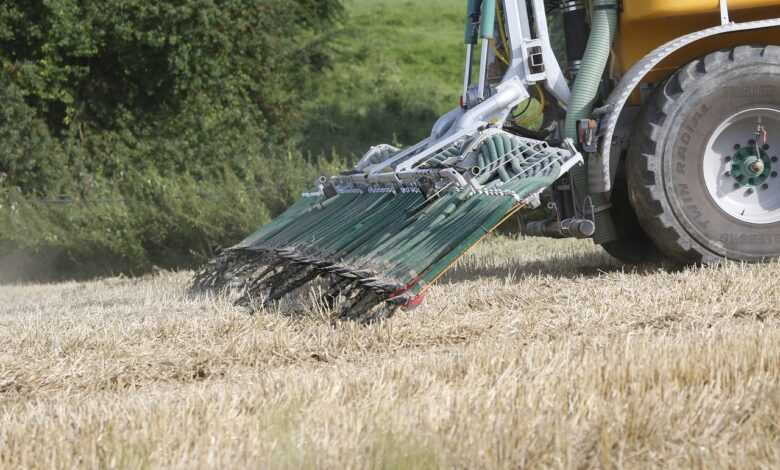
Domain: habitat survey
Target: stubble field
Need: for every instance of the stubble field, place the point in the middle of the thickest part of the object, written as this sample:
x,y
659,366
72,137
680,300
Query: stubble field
x,y
529,354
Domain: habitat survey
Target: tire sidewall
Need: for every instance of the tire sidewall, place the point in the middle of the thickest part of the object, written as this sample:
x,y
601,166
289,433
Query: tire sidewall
x,y
688,128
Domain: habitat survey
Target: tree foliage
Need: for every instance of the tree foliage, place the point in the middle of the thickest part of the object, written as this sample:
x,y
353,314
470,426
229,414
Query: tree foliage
x,y
102,97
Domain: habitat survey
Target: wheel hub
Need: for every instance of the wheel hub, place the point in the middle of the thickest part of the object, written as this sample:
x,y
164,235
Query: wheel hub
x,y
749,169
740,168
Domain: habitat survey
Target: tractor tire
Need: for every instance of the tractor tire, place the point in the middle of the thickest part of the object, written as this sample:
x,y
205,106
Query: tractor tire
x,y
702,170
632,246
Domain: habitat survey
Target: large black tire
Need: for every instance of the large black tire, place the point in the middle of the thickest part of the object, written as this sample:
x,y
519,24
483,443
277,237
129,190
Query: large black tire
x,y
665,163
632,246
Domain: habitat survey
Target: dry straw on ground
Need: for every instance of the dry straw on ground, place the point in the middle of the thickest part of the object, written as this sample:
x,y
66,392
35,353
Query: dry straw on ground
x,y
530,354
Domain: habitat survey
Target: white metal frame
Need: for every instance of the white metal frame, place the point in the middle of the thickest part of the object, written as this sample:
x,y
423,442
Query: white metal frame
x,y
724,12
521,39
492,108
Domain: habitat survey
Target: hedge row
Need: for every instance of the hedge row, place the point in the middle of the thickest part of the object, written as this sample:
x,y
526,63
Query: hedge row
x,y
137,133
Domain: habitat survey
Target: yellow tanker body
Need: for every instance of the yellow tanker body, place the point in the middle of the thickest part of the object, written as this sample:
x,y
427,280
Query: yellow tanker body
x,y
642,10
647,24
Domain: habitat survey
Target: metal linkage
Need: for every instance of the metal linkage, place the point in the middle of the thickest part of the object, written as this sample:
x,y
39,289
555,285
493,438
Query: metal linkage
x,y
452,167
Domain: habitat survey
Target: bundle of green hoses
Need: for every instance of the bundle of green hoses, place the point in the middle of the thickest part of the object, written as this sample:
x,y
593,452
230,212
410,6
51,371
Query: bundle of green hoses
x,y
380,249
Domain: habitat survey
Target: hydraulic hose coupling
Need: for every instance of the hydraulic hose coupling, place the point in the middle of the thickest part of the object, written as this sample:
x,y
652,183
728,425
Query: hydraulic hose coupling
x,y
569,228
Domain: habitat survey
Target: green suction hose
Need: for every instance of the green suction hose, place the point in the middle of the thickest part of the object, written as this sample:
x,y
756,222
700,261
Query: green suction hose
x,y
603,29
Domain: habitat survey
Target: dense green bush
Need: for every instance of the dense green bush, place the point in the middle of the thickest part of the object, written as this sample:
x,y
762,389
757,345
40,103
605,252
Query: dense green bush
x,y
137,133
145,219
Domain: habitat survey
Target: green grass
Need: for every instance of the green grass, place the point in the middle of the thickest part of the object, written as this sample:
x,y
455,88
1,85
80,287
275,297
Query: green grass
x,y
398,67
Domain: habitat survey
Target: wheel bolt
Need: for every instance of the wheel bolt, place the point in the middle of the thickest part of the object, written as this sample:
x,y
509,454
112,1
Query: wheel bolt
x,y
737,146
728,173
774,159
728,159
737,185
765,146
751,142
774,174
749,192
764,186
